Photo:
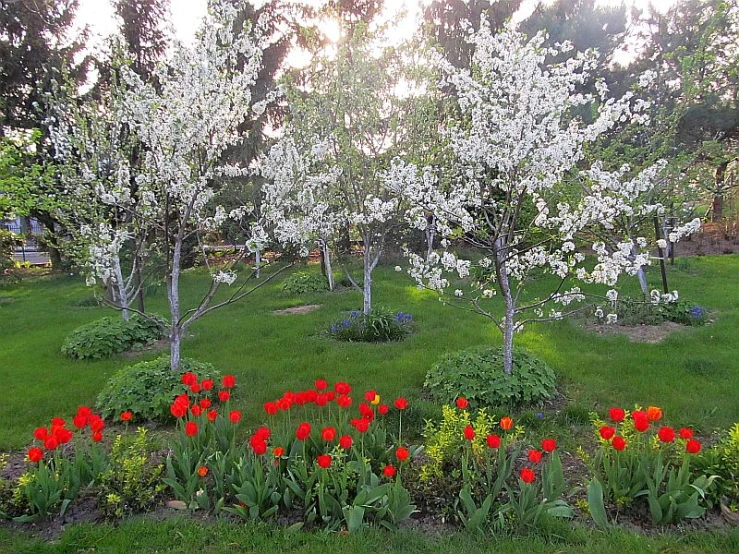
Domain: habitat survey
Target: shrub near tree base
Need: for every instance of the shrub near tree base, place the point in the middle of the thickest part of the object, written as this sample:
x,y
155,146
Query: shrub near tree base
x,y
146,389
301,282
108,336
380,325
477,375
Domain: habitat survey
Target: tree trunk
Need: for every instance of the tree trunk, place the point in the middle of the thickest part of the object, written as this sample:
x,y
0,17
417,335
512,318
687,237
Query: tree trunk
x,y
257,263
510,306
641,273
175,347
326,263
173,294
120,287
367,285
138,284
430,235
717,207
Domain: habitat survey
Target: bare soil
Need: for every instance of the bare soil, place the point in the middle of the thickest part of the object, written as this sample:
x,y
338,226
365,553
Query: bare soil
x,y
298,310
639,333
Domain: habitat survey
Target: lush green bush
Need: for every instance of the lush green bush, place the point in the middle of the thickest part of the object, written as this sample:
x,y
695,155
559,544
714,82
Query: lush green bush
x,y
110,335
146,389
380,325
477,374
302,282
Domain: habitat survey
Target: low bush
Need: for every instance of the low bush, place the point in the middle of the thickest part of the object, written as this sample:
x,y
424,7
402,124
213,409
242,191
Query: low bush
x,y
302,282
477,374
146,389
661,308
380,325
109,335
132,482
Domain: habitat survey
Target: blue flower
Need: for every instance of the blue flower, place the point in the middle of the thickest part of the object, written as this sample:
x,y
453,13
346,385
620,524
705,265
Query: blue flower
x,y
697,312
353,314
334,329
346,323
540,415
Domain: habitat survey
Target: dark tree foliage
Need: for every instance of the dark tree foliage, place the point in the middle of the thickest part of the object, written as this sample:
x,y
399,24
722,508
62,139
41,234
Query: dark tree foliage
x,y
446,23
35,47
692,48
141,28
352,12
583,23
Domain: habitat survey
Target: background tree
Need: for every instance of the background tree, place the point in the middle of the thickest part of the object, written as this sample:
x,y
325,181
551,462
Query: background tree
x,y
185,123
37,48
353,107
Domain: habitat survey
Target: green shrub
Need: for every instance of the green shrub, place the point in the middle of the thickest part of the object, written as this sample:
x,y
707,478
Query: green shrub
x,y
637,312
132,482
301,282
147,388
109,335
380,325
477,374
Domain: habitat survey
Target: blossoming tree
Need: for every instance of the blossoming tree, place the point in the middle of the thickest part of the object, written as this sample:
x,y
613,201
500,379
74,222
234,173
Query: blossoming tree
x,y
348,120
184,125
516,139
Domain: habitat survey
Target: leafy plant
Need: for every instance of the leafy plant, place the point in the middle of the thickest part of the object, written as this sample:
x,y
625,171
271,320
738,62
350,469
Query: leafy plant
x,y
722,461
380,325
108,336
301,282
477,374
634,312
132,483
147,388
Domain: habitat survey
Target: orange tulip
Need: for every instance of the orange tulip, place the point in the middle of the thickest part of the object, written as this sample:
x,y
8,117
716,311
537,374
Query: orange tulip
x,y
654,413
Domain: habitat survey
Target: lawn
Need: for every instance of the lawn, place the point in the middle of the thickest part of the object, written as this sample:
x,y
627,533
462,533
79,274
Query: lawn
x,y
693,375
176,536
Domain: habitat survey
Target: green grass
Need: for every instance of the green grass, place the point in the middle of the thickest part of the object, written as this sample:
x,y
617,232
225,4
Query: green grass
x,y
177,536
693,375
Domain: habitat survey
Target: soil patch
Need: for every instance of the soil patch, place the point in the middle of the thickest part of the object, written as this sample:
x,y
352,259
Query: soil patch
x,y
638,333
298,310
135,352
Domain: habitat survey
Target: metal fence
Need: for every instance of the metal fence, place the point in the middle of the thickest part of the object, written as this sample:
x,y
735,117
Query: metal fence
x,y
30,228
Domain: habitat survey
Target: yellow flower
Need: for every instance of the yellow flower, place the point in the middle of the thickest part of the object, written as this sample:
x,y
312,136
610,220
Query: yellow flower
x,y
375,400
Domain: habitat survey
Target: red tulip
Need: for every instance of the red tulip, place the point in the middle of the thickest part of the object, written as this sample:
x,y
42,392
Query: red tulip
x,y
401,453
35,454
527,475
462,403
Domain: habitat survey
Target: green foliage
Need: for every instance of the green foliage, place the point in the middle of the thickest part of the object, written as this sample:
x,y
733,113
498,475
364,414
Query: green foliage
x,y
671,493
132,483
109,335
722,461
8,241
380,325
302,282
147,388
477,374
636,312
